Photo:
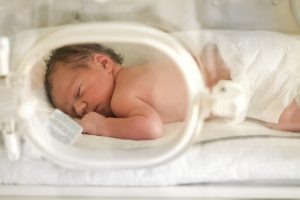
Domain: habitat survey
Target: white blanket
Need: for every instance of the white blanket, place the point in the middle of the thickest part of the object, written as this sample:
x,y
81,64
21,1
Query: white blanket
x,y
250,152
265,64
216,129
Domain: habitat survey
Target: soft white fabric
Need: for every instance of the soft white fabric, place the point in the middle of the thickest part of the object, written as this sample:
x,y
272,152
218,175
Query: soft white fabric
x,y
101,142
250,152
216,129
266,64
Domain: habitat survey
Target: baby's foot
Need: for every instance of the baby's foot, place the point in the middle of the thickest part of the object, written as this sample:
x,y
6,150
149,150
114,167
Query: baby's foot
x,y
293,127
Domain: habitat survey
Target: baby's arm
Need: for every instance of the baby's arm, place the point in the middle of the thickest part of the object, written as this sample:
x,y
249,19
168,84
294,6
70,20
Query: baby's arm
x,y
137,121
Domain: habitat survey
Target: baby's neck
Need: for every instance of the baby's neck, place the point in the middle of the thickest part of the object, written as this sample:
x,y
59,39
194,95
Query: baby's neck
x,y
116,70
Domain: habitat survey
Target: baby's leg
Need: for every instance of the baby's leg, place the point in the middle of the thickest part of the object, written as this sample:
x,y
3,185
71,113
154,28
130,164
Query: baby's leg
x,y
289,119
213,65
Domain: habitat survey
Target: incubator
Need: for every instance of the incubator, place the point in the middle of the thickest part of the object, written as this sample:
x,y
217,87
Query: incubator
x,y
139,43
252,45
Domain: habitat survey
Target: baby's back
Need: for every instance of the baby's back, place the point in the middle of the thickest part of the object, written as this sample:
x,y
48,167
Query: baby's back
x,y
160,85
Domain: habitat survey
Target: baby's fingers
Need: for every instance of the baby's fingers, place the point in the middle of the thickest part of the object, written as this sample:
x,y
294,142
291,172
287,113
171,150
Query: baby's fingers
x,y
88,127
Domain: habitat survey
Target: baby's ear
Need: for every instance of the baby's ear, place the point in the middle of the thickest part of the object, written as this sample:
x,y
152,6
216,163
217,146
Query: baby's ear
x,y
104,61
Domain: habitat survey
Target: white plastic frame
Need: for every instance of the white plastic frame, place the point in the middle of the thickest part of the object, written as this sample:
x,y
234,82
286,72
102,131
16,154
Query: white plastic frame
x,y
73,157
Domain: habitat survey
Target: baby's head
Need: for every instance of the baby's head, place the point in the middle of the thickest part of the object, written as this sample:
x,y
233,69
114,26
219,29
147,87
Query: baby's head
x,y
71,68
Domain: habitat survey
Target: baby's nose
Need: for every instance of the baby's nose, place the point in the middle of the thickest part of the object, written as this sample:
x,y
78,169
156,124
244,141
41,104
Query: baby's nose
x,y
80,108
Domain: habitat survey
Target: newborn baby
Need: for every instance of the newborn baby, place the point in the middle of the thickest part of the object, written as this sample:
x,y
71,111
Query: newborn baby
x,y
88,82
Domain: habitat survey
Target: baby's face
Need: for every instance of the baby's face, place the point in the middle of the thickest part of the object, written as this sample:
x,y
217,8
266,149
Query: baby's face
x,y
77,91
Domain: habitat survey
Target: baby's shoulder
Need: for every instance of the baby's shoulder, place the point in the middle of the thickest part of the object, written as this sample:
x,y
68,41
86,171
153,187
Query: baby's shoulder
x,y
122,102
134,78
121,98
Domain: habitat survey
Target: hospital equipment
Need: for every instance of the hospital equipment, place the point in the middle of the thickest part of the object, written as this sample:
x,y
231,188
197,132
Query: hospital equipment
x,y
191,154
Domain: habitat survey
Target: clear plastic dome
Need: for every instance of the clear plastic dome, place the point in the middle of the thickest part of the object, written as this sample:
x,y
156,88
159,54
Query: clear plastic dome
x,y
139,43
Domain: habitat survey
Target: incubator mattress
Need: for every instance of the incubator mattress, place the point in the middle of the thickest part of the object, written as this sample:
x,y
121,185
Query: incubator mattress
x,y
247,152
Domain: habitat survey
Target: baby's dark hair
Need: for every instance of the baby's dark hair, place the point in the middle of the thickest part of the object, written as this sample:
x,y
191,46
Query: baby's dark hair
x,y
77,55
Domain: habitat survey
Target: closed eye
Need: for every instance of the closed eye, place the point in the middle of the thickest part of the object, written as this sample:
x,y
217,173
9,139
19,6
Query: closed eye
x,y
79,90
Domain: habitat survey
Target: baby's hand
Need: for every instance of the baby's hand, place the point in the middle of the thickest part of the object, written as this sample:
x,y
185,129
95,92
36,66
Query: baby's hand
x,y
91,123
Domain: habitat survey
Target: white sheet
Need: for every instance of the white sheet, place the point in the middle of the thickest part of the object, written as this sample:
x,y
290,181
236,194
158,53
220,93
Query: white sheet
x,y
216,129
255,154
265,64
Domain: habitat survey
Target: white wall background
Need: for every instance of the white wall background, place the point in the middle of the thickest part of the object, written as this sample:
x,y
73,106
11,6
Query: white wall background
x,y
275,15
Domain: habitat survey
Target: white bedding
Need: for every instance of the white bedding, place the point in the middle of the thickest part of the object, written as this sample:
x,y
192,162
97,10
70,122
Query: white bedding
x,y
265,64
216,129
256,154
